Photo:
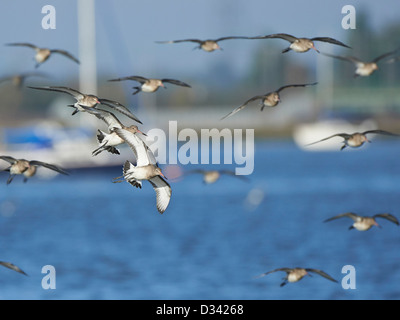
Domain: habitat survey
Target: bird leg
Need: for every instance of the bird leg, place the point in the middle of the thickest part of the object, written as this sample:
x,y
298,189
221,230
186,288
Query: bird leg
x,y
138,89
75,111
98,150
10,178
118,179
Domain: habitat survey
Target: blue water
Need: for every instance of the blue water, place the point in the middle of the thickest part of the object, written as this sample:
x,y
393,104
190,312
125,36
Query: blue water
x,y
107,241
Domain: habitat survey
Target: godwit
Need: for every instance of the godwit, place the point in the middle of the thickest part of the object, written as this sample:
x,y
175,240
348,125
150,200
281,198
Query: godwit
x,y
27,168
296,274
365,223
211,176
270,99
151,85
90,101
208,45
109,141
301,44
364,68
42,54
356,139
18,79
146,168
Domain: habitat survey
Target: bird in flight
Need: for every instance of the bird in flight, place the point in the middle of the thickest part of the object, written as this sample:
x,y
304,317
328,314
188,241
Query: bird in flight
x,y
364,68
365,223
296,274
27,168
90,101
208,45
270,99
43,54
211,176
109,141
356,139
146,168
301,44
19,79
151,85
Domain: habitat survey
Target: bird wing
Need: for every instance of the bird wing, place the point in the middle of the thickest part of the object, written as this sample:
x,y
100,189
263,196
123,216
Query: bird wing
x,y
296,85
380,132
23,44
201,171
395,59
183,40
321,273
279,269
139,148
355,60
12,267
343,135
72,92
66,54
232,173
242,106
134,78
121,108
176,82
284,36
232,37
163,192
351,215
330,40
387,216
9,159
385,55
108,117
48,166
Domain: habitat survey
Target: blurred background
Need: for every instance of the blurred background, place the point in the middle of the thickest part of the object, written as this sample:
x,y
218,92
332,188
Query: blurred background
x,y
125,33
66,221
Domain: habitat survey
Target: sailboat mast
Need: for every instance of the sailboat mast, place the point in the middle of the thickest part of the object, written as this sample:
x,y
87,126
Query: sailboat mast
x,y
87,46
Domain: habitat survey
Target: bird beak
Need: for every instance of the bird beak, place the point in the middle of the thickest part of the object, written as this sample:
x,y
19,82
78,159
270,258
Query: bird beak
x,y
377,225
163,175
142,133
315,48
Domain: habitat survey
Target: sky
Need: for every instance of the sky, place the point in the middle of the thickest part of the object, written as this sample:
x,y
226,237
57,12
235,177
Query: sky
x,y
127,31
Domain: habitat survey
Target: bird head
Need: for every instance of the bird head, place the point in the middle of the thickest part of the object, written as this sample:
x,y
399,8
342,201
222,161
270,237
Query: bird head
x,y
159,173
92,99
312,46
